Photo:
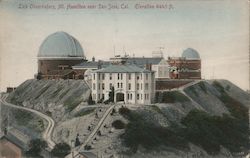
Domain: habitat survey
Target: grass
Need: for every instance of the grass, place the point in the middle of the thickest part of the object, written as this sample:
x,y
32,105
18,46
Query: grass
x,y
28,120
174,96
72,103
84,112
203,86
170,97
192,89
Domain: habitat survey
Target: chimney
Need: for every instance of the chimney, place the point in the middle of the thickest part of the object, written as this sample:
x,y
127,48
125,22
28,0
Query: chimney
x,y
93,59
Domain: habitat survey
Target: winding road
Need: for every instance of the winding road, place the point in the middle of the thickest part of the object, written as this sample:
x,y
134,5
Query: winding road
x,y
47,134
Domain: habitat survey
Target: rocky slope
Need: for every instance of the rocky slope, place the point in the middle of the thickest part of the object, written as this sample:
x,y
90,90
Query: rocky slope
x,y
53,97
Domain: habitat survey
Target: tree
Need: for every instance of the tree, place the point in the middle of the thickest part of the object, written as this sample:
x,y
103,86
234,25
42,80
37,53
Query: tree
x,y
112,94
77,142
39,76
61,150
90,100
36,146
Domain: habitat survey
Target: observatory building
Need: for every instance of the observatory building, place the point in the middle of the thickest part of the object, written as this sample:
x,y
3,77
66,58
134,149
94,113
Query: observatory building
x,y
188,66
57,54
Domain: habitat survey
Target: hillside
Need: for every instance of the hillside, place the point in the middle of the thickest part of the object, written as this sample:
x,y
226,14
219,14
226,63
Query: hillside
x,y
53,97
198,120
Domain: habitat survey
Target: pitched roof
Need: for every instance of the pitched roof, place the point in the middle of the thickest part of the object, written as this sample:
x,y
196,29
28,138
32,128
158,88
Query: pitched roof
x,y
91,64
142,61
122,69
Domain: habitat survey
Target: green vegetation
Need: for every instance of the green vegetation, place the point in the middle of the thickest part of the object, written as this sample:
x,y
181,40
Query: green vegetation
x,y
218,86
35,148
193,90
61,150
22,117
118,124
72,103
236,109
203,86
140,132
173,97
84,112
27,119
210,132
228,87
42,91
199,128
90,100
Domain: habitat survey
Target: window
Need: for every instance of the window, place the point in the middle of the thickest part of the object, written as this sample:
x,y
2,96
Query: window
x,y
138,86
128,96
93,86
141,86
141,97
121,85
121,76
103,76
138,96
98,97
110,76
103,86
141,76
129,76
138,77
129,86
99,87
103,96
146,76
93,76
118,85
118,76
99,76
146,86
145,96
131,96
110,86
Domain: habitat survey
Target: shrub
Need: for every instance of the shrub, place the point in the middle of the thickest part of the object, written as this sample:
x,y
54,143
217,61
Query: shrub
x,y
174,96
118,124
84,112
61,150
140,132
203,86
90,100
36,146
210,132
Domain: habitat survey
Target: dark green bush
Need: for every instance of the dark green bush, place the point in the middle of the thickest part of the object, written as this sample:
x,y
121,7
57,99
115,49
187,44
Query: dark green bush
x,y
200,128
61,150
118,124
173,96
84,112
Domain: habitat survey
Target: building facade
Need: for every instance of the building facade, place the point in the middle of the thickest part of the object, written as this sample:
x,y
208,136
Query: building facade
x,y
188,66
57,54
132,84
161,69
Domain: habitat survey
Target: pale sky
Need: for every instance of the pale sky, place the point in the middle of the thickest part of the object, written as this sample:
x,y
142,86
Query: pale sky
x,y
217,29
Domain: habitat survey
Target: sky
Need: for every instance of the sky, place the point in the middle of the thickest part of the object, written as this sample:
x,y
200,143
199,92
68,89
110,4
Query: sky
x,y
217,29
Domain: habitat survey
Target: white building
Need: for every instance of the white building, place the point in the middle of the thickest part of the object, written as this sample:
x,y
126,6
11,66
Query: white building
x,y
161,69
132,84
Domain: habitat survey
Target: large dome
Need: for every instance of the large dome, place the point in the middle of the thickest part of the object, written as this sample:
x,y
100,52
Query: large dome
x,y
190,53
61,45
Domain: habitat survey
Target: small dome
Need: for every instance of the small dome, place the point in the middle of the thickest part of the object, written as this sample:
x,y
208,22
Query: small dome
x,y
190,53
61,45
